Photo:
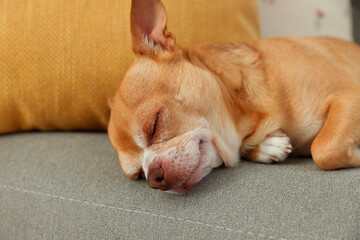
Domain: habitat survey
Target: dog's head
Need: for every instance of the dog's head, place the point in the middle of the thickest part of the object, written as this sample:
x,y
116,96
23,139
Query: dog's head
x,y
169,122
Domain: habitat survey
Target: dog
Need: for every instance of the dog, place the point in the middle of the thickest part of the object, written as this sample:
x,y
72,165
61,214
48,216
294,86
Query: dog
x,y
182,111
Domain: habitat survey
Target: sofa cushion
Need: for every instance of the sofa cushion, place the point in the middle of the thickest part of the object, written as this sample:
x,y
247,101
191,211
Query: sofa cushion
x,y
61,60
70,186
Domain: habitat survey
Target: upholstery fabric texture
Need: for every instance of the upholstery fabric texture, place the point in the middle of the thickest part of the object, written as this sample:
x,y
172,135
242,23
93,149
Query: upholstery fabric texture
x,y
70,186
61,60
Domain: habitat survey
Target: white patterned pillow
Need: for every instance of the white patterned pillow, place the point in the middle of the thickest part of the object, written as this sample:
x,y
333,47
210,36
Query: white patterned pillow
x,y
280,18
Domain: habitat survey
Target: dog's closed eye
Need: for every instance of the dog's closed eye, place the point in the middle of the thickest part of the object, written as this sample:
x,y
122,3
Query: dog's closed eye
x,y
154,128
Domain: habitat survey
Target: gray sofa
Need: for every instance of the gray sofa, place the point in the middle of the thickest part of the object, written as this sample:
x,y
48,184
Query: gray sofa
x,y
70,186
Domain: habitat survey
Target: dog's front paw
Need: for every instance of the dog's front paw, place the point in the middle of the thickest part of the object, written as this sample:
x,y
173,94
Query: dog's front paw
x,y
275,148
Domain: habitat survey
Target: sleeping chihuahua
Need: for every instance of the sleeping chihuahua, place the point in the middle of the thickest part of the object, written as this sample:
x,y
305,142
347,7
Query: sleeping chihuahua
x,y
180,112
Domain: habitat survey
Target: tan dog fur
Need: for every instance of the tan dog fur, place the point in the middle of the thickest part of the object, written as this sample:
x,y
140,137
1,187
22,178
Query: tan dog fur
x,y
238,99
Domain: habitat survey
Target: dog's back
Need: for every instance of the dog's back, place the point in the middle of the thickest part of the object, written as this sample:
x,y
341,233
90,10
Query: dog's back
x,y
307,53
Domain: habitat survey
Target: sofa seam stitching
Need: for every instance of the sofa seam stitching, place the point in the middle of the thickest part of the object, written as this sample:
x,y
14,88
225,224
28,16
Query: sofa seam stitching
x,y
138,212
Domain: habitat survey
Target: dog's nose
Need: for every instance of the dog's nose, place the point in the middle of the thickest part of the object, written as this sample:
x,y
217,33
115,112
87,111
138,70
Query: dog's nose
x,y
156,179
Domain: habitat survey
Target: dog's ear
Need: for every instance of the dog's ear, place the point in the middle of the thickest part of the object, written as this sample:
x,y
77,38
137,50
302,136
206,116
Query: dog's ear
x,y
148,28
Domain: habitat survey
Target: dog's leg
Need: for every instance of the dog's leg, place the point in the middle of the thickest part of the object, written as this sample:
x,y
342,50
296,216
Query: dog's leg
x,y
337,144
275,148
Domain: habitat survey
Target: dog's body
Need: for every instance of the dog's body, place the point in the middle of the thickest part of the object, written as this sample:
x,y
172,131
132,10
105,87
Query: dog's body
x,y
181,112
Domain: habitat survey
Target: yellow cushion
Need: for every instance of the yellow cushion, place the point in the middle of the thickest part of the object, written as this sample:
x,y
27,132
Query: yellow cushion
x,y
61,60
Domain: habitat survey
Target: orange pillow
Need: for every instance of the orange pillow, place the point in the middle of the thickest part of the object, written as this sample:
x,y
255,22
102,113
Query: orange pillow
x,y
61,60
